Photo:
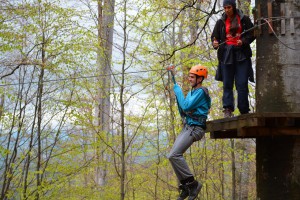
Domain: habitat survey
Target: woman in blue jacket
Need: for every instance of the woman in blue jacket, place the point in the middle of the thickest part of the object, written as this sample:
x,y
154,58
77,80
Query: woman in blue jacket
x,y
232,36
194,109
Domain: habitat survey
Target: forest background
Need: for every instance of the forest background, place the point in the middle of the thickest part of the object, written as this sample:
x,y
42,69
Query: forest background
x,y
87,109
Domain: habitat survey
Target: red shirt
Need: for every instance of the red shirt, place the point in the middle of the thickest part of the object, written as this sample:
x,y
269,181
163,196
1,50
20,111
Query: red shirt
x,y
230,40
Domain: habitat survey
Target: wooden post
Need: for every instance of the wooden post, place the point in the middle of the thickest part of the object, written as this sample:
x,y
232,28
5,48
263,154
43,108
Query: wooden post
x,y
278,90
270,15
282,14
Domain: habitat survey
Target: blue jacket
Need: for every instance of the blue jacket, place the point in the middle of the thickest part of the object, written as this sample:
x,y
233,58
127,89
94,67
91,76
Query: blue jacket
x,y
194,107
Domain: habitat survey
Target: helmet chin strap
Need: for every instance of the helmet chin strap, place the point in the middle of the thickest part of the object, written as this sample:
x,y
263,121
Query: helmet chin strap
x,y
196,84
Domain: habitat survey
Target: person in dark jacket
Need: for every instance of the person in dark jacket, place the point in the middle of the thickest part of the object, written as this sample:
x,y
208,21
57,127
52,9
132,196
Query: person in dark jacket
x,y
194,108
232,36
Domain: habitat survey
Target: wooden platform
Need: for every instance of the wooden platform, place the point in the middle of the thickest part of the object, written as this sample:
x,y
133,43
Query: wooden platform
x,y
255,125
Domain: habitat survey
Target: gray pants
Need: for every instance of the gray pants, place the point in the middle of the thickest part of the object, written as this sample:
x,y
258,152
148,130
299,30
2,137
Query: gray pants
x,y
185,139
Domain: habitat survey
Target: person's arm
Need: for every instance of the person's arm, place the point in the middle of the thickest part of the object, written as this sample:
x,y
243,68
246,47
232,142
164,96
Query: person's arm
x,y
248,36
172,70
188,104
215,36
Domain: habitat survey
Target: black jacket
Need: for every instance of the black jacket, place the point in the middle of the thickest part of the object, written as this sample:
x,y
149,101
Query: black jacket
x,y
247,37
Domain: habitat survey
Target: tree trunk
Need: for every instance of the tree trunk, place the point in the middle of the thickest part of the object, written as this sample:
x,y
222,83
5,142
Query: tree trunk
x,y
233,168
39,120
122,104
222,171
104,55
1,104
278,90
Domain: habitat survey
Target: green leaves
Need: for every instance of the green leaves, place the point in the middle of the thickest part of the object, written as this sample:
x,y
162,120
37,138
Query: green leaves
x,y
50,118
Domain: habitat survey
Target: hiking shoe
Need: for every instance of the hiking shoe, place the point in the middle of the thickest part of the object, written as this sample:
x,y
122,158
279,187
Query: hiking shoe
x,y
244,113
194,189
227,113
184,192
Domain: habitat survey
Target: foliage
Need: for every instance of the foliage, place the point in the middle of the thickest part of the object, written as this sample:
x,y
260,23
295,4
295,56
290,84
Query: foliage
x,y
51,147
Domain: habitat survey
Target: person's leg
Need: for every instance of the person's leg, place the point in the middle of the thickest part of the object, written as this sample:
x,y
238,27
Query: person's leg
x,y
189,186
228,80
241,84
183,141
181,144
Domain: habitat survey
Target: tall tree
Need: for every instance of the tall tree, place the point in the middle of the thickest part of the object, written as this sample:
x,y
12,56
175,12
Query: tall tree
x,y
46,45
105,28
56,145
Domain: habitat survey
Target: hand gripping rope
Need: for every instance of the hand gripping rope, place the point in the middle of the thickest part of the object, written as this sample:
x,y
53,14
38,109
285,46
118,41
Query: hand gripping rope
x,y
171,69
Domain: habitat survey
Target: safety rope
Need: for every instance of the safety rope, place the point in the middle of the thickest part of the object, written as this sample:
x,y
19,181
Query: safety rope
x,y
267,21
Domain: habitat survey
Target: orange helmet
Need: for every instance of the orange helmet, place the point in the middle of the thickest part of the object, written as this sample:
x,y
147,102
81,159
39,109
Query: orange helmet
x,y
199,70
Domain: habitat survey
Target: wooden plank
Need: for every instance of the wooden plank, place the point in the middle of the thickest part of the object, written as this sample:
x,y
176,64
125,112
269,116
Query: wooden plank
x,y
255,132
251,122
290,15
270,15
292,26
277,114
282,14
256,119
255,125
223,134
265,131
259,18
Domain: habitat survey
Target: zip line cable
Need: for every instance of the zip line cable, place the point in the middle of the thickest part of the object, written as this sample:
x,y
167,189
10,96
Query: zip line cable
x,y
254,27
162,69
80,77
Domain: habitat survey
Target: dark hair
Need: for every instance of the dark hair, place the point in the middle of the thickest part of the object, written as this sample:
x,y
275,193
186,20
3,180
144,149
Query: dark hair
x,y
234,24
197,76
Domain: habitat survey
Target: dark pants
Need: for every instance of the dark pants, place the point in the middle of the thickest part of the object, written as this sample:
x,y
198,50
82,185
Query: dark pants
x,y
238,73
